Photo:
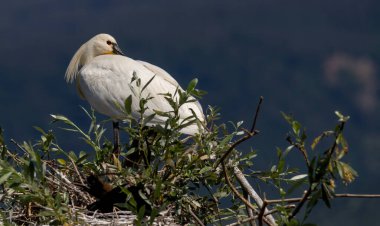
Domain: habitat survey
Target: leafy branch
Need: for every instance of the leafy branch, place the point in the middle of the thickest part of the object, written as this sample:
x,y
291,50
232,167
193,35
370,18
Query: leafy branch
x,y
202,179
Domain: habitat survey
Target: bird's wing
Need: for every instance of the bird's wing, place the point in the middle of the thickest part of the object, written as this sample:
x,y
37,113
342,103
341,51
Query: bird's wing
x,y
167,77
159,72
109,79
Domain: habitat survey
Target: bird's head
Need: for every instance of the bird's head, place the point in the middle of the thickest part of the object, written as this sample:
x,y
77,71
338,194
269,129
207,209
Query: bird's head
x,y
100,44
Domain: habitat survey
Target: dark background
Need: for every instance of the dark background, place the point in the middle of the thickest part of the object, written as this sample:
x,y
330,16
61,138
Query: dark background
x,y
308,58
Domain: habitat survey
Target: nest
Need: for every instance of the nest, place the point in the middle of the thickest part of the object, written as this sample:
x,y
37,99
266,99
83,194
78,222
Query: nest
x,y
121,218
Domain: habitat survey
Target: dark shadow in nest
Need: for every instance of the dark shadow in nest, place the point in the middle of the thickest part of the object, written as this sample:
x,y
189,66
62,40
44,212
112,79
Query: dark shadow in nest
x,y
108,197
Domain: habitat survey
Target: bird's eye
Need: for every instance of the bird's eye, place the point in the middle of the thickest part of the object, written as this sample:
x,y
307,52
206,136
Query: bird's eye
x,y
109,42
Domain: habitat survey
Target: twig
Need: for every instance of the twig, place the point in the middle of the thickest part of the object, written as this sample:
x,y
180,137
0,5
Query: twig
x,y
301,203
214,199
76,170
68,184
291,206
256,114
255,217
301,148
249,210
243,221
357,195
262,211
345,195
14,156
318,177
232,147
195,217
19,146
289,200
248,135
247,187
241,197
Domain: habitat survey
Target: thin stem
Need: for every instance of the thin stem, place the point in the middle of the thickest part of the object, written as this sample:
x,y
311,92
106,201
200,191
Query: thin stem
x,y
232,147
248,135
116,138
76,170
256,114
195,217
301,203
301,148
243,221
344,195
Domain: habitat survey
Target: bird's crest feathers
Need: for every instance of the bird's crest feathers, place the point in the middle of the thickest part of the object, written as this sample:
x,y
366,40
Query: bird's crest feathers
x,y
75,65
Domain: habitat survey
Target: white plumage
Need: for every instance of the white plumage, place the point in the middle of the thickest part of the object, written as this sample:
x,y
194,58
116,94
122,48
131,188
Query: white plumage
x,y
104,79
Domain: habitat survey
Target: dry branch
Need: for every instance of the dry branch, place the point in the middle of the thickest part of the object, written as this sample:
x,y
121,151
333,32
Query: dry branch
x,y
241,197
247,187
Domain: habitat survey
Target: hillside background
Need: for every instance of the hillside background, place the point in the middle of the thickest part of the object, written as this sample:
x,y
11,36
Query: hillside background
x,y
308,58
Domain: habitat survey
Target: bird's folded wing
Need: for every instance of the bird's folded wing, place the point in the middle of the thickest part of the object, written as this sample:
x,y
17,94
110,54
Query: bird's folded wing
x,y
159,72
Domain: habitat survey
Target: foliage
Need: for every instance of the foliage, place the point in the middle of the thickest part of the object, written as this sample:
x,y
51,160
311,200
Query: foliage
x,y
192,178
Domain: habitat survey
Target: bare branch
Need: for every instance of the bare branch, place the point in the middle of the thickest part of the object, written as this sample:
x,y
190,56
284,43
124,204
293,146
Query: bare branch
x,y
345,195
255,217
301,203
256,114
262,210
76,170
195,217
246,186
357,195
243,221
249,210
248,135
241,197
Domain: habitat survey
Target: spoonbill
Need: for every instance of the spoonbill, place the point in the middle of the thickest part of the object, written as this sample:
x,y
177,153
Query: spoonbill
x,y
105,77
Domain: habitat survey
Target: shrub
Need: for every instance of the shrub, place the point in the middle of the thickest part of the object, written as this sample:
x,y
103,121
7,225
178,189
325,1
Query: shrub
x,y
201,179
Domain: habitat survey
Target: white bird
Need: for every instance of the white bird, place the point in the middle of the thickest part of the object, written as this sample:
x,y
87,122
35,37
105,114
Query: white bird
x,y
106,78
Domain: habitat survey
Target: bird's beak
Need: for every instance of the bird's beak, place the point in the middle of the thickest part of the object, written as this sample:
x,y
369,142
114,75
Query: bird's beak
x,y
117,50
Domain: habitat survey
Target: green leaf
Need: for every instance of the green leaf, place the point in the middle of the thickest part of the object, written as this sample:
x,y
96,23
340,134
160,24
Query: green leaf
x,y
193,83
147,119
5,177
288,118
146,85
316,141
141,212
298,177
153,216
296,126
157,191
341,117
326,195
81,159
138,82
128,105
221,194
312,203
61,161
59,118
205,169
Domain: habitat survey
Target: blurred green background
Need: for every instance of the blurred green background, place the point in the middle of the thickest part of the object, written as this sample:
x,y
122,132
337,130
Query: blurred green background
x,y
308,58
